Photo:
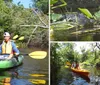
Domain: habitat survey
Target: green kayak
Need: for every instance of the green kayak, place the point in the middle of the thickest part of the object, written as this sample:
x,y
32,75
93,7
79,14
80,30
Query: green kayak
x,y
4,64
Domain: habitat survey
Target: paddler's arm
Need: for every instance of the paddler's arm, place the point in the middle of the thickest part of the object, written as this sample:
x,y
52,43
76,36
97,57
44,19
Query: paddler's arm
x,y
0,49
15,49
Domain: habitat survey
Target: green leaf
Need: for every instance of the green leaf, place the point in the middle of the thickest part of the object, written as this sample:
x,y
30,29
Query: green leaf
x,y
53,2
86,12
55,16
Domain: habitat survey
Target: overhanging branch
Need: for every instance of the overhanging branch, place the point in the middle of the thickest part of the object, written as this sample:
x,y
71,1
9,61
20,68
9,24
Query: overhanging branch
x,y
34,26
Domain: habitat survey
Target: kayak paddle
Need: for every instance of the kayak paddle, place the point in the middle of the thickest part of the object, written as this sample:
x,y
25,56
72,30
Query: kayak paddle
x,y
20,38
15,37
38,54
35,54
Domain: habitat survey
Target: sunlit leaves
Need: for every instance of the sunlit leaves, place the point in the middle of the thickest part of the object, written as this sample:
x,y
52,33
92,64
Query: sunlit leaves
x,y
54,16
57,6
53,2
65,52
86,12
97,15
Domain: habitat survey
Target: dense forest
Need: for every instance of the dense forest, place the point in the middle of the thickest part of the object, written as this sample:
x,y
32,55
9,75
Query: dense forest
x,y
75,20
32,22
65,52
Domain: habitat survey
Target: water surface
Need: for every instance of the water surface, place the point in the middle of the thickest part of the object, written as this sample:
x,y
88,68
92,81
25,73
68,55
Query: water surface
x,y
31,72
70,78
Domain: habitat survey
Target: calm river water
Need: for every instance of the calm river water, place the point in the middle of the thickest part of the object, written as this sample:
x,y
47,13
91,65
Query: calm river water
x,y
31,72
70,78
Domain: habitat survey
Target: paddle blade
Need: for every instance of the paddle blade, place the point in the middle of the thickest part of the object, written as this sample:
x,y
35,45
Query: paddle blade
x,y
68,63
21,38
17,46
15,37
38,54
67,66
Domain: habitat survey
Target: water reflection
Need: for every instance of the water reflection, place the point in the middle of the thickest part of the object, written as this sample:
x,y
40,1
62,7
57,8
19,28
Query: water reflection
x,y
79,81
63,35
30,71
37,81
71,78
18,76
5,81
92,79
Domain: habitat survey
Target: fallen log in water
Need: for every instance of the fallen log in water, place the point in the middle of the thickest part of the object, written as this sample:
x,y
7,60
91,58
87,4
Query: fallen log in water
x,y
86,31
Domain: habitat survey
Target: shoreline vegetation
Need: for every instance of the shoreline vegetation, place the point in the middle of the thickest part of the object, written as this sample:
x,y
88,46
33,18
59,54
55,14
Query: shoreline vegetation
x,y
68,19
31,23
65,52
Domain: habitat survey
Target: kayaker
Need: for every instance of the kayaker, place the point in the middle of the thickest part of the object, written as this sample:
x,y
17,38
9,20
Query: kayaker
x,y
8,46
75,65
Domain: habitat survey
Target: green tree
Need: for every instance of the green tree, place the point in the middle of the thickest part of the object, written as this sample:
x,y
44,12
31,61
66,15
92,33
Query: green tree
x,y
5,18
55,66
60,53
42,5
13,16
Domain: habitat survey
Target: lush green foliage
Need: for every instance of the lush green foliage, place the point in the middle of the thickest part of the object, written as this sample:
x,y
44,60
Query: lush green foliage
x,y
65,52
86,17
61,53
12,17
73,5
86,12
41,4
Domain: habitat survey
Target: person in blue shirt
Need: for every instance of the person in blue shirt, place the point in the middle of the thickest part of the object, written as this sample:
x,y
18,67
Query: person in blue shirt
x,y
8,46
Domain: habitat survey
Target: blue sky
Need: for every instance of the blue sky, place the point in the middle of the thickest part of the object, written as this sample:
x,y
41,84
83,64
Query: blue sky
x,y
24,2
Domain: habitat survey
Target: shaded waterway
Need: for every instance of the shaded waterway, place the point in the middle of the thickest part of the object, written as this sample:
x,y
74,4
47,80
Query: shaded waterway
x,y
67,77
30,72
64,35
